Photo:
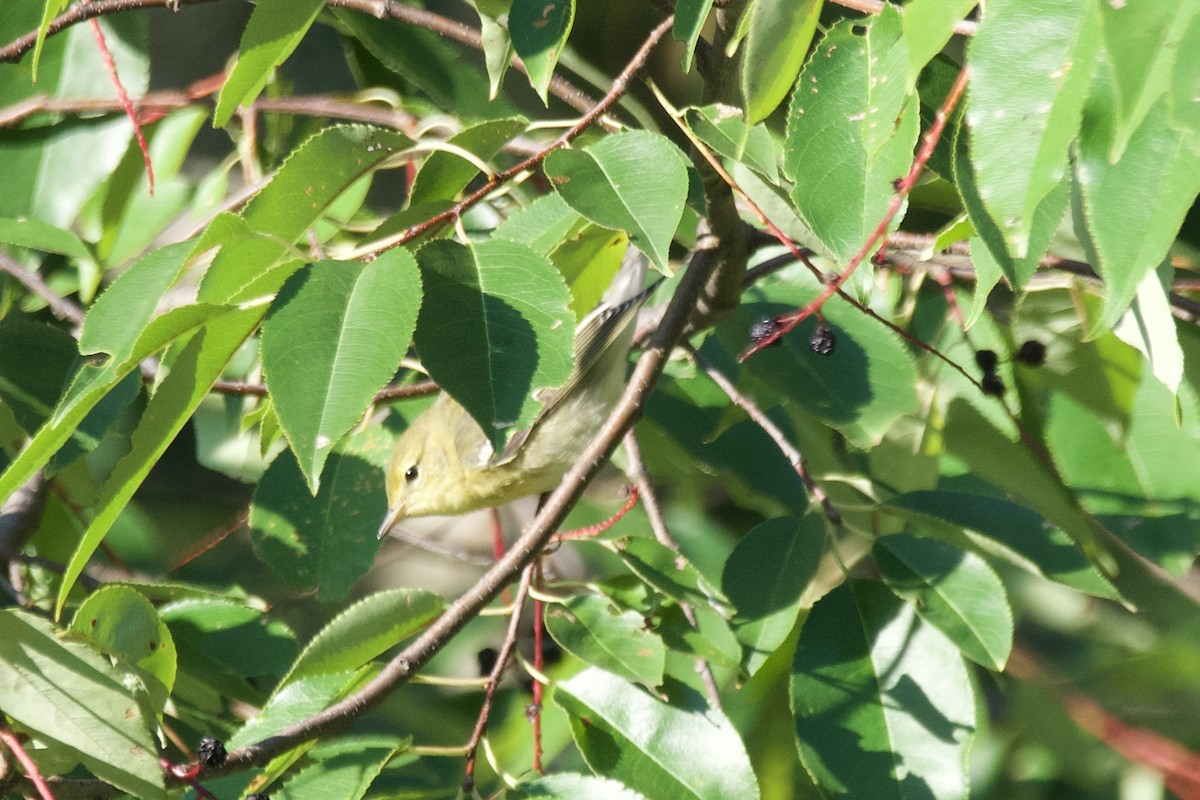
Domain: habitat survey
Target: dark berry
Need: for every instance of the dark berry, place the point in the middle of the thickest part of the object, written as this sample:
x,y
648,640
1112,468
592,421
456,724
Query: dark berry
x,y
211,752
986,359
486,659
1032,353
763,329
993,385
258,796
822,341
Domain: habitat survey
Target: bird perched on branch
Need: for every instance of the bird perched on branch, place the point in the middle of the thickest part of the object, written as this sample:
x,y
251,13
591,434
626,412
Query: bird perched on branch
x,y
444,464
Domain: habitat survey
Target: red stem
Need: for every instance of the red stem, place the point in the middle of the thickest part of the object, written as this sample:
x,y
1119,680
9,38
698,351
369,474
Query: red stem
x,y
31,769
787,322
110,66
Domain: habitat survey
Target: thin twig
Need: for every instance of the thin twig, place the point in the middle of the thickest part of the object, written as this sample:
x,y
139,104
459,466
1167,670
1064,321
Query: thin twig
x,y
489,697
760,418
60,307
32,772
636,471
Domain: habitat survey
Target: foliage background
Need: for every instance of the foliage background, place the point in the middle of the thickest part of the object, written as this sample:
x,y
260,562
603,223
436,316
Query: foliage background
x,y
959,594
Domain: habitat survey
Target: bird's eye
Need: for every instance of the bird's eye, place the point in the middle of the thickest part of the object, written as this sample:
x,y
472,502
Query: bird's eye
x,y
410,474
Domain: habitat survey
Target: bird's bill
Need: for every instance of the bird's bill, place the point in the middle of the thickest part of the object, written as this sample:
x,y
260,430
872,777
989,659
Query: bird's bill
x,y
393,516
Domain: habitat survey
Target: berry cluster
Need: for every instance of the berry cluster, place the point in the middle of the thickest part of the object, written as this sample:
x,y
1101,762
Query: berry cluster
x,y
1031,353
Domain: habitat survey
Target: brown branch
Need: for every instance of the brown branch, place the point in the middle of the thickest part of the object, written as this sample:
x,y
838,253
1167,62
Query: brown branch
x,y
533,540
658,523
489,697
760,418
170,100
60,307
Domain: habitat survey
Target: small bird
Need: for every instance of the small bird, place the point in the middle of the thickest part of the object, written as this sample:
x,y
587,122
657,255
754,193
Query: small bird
x,y
444,464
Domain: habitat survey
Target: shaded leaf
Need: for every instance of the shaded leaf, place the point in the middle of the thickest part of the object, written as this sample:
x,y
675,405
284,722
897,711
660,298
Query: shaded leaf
x,y
195,369
883,703
493,329
593,631
273,32
953,590
68,693
765,576
539,30
679,749
328,541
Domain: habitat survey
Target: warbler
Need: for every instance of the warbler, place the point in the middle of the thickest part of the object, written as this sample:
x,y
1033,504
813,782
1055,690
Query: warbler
x,y
444,464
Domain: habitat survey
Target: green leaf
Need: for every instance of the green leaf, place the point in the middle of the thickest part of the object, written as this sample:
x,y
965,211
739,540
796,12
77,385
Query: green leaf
x,y
494,328
445,174
121,622
37,235
50,170
422,59
569,786
1142,42
680,749
928,25
861,388
273,32
217,635
1046,219
883,702
365,629
343,768
592,630
539,30
68,693
666,570
50,10
92,384
606,182
198,365
334,337
542,225
297,701
36,363
1030,69
850,133
1001,530
1150,327
765,576
776,43
1012,467
328,541
121,313
1132,209
319,170
1185,86
497,44
689,23
953,590
724,129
